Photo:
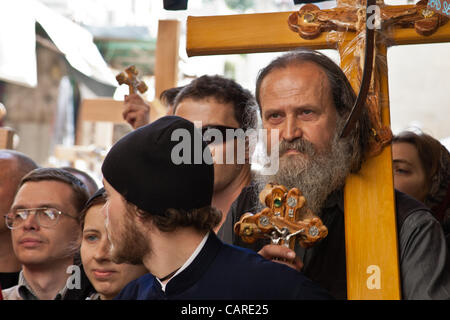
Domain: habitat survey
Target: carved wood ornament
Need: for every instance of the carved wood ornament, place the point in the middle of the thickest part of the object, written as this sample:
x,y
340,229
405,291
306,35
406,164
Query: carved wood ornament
x,y
129,77
350,16
310,21
285,220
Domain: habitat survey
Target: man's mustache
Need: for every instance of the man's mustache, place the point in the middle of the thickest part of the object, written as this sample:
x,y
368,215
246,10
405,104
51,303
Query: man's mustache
x,y
299,144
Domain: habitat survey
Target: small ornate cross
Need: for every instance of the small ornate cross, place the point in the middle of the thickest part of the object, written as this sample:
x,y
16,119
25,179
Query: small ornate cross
x,y
283,221
129,77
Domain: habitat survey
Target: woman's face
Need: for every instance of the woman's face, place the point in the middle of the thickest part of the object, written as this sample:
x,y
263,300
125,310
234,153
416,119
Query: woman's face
x,y
409,175
108,278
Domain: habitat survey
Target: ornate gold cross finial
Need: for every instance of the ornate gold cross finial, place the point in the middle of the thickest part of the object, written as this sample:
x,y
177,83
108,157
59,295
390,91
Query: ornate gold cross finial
x,y
310,21
285,219
129,77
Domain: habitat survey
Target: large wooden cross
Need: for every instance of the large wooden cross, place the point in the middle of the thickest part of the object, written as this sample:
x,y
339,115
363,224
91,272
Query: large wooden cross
x,y
166,76
106,112
370,224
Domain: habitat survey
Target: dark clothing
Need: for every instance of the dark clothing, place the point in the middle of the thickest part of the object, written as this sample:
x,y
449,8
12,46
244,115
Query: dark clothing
x,y
424,260
9,279
86,288
221,271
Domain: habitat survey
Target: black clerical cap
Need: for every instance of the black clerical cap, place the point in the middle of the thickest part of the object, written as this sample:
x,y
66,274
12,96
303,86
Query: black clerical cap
x,y
165,164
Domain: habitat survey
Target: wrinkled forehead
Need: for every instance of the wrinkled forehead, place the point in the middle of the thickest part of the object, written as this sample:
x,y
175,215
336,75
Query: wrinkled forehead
x,y
308,75
303,82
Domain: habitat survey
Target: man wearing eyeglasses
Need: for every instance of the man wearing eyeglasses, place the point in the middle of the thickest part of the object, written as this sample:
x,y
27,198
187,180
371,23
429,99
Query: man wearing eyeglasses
x,y
44,223
221,105
13,166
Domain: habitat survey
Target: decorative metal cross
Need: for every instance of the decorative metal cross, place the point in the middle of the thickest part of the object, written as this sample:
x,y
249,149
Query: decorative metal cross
x,y
285,219
370,223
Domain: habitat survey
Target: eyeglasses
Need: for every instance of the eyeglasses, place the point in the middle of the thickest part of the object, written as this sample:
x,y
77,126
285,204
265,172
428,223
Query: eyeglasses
x,y
45,217
210,133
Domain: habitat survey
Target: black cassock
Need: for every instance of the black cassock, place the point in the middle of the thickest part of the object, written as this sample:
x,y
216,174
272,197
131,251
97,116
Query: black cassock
x,y
221,271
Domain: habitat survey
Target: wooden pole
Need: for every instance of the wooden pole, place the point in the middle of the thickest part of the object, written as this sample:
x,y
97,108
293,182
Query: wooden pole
x,y
370,222
166,66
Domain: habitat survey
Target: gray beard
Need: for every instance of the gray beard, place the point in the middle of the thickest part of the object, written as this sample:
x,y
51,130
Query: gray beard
x,y
316,175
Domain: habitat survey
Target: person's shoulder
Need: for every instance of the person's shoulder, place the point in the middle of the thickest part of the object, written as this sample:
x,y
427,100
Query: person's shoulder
x,y
136,289
407,207
259,273
417,226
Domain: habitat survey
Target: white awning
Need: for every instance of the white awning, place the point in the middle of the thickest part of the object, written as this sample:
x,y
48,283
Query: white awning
x,y
18,43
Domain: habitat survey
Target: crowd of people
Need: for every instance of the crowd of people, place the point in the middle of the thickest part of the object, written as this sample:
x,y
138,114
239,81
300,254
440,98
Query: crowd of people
x,y
159,229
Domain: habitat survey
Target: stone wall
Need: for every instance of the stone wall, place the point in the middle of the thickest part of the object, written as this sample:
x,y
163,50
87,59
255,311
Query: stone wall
x,y
31,111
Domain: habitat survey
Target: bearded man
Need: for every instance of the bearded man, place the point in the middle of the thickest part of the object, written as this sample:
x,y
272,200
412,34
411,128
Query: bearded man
x,y
306,97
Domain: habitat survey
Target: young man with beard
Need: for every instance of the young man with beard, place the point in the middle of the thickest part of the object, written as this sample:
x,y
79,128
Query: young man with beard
x,y
159,213
13,166
307,98
44,223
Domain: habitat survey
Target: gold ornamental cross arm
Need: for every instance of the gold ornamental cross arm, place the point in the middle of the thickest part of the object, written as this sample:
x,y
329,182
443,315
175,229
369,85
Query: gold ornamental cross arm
x,y
370,223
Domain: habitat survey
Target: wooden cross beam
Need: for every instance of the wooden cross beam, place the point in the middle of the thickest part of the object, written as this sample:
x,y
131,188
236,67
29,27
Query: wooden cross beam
x,y
166,76
106,112
268,32
370,225
166,57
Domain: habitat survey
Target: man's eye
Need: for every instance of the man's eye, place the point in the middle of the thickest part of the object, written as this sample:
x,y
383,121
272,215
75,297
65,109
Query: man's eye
x,y
51,214
306,113
274,116
21,215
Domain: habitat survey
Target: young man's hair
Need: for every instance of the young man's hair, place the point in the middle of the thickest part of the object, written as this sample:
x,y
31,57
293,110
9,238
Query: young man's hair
x,y
342,93
223,90
91,184
201,219
80,191
168,96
